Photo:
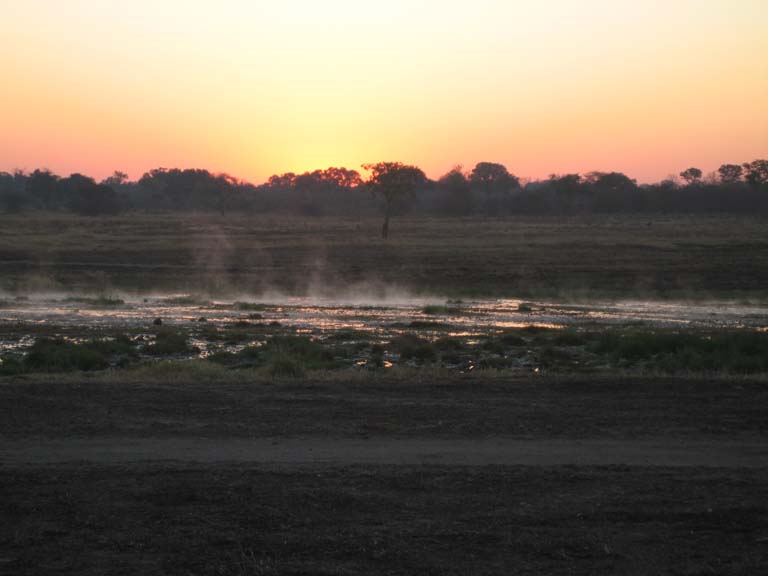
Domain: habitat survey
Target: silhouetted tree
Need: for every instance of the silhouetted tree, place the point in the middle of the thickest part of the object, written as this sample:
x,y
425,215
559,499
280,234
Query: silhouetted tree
x,y
456,192
691,176
340,178
12,191
392,181
117,179
337,190
730,173
191,189
612,191
41,187
570,195
282,181
756,172
495,181
83,196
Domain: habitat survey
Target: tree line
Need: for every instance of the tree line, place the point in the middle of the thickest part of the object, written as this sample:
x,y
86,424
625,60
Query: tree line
x,y
389,188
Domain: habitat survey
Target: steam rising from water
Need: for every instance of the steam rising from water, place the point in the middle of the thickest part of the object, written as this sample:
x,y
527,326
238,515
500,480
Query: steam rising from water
x,y
375,303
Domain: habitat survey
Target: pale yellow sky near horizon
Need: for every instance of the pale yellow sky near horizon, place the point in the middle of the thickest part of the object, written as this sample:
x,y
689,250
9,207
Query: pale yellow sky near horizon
x,y
256,88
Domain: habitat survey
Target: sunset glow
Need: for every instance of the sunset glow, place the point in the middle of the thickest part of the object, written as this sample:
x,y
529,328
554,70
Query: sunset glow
x,y
257,88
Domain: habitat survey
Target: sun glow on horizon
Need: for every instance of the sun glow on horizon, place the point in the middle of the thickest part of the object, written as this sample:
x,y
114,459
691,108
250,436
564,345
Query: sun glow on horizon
x,y
257,88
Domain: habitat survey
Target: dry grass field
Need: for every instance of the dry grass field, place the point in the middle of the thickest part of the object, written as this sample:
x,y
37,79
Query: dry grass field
x,y
581,257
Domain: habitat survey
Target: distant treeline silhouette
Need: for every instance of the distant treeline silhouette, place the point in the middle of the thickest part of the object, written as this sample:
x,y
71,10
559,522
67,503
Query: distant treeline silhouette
x,y
488,189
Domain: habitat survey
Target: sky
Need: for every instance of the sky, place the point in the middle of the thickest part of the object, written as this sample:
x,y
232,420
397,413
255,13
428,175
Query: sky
x,y
256,87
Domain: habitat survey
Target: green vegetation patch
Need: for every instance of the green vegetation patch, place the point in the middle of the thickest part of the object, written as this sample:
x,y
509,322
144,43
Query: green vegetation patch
x,y
741,351
412,347
169,342
60,355
288,355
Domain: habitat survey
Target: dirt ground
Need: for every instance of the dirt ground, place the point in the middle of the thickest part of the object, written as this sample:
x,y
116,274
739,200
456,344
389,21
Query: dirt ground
x,y
387,451
384,475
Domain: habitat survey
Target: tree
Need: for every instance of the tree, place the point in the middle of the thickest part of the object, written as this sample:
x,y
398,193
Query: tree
x,y
612,191
756,172
456,192
281,181
12,191
730,173
189,189
340,178
691,176
393,181
494,180
83,196
570,193
117,179
41,187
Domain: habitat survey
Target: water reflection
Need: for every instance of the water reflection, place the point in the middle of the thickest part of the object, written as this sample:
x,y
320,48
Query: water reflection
x,y
373,322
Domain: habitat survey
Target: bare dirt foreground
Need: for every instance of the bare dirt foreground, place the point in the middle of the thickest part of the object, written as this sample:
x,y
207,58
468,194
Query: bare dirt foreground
x,y
387,475
496,451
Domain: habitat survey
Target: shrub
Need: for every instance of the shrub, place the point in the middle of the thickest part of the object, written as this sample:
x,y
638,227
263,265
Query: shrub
x,y
410,346
511,339
10,366
168,342
449,343
376,359
733,351
301,352
282,366
57,355
311,355
568,338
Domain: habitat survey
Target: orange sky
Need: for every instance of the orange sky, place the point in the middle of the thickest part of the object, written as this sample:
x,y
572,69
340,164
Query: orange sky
x,y
254,88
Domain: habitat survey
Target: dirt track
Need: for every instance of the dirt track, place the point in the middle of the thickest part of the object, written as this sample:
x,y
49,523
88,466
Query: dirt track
x,y
388,451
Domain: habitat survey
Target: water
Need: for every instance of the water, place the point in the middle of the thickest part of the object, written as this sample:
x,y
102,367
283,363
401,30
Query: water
x,y
372,320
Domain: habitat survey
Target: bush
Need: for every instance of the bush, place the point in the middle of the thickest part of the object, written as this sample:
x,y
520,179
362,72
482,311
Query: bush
x,y
733,351
449,344
168,342
568,338
301,352
512,339
410,346
376,359
311,355
10,366
57,355
281,366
